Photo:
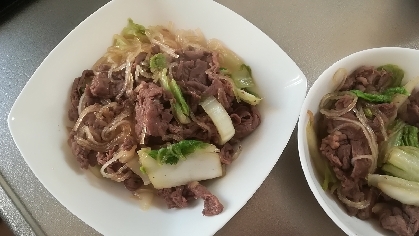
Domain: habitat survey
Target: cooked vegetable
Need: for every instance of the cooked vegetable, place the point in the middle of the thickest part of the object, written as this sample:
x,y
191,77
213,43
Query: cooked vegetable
x,y
243,77
402,190
396,72
134,30
179,96
177,151
180,107
242,82
203,163
247,97
403,162
383,97
220,118
401,134
158,62
237,73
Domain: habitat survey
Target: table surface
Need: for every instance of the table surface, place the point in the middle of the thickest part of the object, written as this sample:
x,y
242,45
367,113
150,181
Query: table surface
x,y
313,33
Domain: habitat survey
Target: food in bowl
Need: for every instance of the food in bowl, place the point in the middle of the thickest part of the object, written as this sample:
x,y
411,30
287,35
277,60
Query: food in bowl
x,y
364,144
162,110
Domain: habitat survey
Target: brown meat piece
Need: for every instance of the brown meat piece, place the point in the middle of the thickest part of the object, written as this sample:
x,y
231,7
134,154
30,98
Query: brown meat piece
x,y
84,156
226,154
77,89
403,220
176,197
104,87
212,205
134,182
152,111
246,119
367,79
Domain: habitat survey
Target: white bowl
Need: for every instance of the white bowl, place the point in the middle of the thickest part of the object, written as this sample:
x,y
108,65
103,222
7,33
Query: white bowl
x,y
408,60
38,118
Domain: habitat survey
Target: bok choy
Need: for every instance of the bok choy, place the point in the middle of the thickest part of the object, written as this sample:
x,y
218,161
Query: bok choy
x,y
403,162
158,66
402,190
180,163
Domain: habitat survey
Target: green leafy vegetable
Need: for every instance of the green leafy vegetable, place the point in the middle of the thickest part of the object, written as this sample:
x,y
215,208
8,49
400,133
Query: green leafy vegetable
x,y
179,96
368,112
181,163
243,77
174,152
225,71
179,106
400,134
383,97
158,62
396,72
403,162
410,136
242,82
133,30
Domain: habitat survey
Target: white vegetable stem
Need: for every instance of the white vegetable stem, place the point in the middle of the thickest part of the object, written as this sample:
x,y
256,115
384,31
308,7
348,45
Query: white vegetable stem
x,y
402,190
220,118
199,165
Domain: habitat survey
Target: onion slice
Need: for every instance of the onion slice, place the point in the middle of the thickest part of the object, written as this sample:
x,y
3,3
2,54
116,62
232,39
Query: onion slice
x,y
220,118
340,77
357,205
371,137
336,96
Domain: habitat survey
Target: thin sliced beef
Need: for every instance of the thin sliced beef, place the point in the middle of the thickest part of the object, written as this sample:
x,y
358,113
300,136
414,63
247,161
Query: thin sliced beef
x,y
104,87
371,194
222,90
388,112
202,129
155,49
227,153
340,147
368,79
198,75
77,89
133,182
192,65
84,156
403,220
212,205
412,110
176,197
246,119
152,111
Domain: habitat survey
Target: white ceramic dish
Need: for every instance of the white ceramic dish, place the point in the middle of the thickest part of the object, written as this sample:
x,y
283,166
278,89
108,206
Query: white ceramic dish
x,y
405,58
38,118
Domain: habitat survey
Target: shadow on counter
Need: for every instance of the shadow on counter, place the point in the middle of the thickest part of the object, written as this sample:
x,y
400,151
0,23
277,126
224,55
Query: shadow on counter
x,y
9,8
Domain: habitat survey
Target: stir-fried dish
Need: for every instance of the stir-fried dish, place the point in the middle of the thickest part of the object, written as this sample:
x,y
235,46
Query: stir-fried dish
x,y
160,111
364,143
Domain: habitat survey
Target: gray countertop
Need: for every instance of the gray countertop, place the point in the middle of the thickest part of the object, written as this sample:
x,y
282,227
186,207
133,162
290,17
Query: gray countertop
x,y
314,33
